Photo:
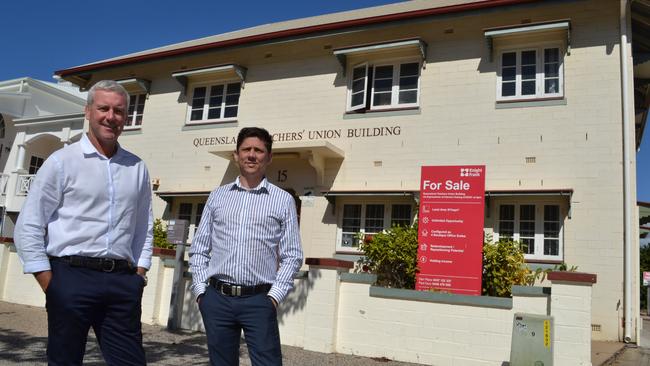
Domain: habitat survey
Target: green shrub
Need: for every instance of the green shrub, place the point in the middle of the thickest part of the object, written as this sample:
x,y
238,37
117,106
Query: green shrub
x,y
392,256
503,267
160,236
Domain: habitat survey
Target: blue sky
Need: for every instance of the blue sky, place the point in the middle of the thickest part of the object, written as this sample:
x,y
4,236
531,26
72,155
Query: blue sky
x,y
39,37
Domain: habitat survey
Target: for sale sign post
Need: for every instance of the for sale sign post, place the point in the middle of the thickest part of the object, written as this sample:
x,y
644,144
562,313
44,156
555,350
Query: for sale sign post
x,y
450,252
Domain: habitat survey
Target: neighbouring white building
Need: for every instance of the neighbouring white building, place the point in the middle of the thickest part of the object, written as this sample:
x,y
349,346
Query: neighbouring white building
x,y
551,96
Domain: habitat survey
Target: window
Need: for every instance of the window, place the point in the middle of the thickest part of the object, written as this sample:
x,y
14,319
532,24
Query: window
x,y
370,218
537,227
35,164
530,73
185,212
213,103
384,86
136,109
191,212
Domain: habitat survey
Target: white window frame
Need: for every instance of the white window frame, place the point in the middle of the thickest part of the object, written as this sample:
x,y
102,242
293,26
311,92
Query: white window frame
x,y
538,253
387,220
370,88
192,223
539,73
206,102
129,124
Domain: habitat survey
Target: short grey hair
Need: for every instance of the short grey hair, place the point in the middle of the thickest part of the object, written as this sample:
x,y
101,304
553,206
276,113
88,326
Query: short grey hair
x,y
108,85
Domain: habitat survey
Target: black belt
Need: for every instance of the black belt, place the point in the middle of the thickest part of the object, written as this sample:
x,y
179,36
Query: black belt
x,y
98,264
231,289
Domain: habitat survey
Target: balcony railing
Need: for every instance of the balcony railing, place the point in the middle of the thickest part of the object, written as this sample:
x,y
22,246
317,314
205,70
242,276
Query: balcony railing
x,y
24,182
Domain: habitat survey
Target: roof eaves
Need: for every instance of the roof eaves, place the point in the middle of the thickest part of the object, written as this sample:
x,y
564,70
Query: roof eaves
x,y
298,31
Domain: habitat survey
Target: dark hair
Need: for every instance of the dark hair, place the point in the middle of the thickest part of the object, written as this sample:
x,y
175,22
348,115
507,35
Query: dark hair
x,y
258,132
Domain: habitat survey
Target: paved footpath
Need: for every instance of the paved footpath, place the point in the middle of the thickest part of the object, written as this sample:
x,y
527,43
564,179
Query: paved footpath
x,y
23,337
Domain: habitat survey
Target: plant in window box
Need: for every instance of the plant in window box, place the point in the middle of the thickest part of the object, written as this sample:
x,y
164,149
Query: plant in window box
x,y
160,236
392,256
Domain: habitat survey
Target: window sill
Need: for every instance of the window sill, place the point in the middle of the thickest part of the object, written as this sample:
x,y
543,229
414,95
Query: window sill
x,y
382,113
209,124
530,102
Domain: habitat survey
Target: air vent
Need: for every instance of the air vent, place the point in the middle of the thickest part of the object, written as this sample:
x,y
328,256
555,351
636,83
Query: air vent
x,y
595,327
530,159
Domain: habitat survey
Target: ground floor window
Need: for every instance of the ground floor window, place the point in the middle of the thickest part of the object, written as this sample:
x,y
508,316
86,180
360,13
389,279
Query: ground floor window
x,y
192,212
368,219
536,226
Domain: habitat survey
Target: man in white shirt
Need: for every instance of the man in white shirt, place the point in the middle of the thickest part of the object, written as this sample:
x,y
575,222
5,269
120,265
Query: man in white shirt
x,y
85,232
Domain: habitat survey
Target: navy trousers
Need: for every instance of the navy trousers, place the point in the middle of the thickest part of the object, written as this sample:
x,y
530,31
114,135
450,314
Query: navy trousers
x,y
111,303
224,317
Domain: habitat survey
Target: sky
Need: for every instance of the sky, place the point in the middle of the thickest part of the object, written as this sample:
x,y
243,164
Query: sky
x,y
38,37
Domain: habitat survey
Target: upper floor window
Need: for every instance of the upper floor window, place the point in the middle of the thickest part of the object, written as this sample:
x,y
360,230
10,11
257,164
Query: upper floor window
x,y
530,73
214,103
387,85
536,226
2,127
136,110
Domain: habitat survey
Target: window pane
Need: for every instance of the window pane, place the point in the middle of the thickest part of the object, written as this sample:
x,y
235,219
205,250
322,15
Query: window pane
x,y
507,212
374,218
348,240
528,72
357,99
383,72
551,55
552,86
383,85
527,228
551,70
138,120
196,115
551,213
216,90
509,59
185,211
551,247
528,57
409,69
199,92
199,213
234,88
410,82
508,89
382,99
214,113
527,245
506,229
509,73
230,112
528,88
400,215
351,225
359,72
410,96
527,212
358,85
198,103
215,101
232,99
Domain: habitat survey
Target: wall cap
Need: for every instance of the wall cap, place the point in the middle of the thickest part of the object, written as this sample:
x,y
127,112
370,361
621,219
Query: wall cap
x,y
329,262
565,276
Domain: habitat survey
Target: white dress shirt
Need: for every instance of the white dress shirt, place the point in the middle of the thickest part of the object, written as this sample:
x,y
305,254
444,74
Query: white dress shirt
x,y
83,203
247,237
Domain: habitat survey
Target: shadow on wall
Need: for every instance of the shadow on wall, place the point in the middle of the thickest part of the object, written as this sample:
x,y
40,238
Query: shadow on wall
x,y
297,299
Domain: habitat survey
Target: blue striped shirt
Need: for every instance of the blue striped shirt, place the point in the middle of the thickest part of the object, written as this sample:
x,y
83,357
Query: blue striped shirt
x,y
247,237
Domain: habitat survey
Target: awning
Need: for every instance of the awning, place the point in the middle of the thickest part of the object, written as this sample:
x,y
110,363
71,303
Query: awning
x,y
332,195
418,46
169,195
213,72
315,152
140,86
526,29
564,192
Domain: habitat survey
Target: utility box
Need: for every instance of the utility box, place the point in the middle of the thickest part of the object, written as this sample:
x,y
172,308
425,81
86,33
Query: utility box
x,y
532,340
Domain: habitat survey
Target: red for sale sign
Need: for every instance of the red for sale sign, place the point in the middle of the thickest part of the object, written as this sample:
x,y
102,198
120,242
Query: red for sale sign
x,y
450,252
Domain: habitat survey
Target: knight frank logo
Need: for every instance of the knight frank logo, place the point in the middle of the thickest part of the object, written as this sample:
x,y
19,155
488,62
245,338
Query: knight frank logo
x,y
471,172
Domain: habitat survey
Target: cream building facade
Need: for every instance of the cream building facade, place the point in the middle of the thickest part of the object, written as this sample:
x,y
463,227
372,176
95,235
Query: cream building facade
x,y
358,101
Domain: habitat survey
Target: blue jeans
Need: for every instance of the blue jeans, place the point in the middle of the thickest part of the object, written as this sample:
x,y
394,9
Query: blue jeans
x,y
224,317
80,298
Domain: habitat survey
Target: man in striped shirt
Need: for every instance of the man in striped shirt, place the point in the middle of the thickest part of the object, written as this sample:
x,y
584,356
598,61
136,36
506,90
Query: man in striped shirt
x,y
244,256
